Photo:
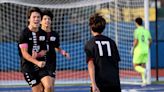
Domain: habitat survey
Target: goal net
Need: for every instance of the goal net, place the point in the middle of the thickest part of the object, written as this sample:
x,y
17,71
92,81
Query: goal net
x,y
71,18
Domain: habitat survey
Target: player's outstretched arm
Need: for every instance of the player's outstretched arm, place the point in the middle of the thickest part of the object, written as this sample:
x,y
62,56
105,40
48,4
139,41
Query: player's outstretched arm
x,y
63,52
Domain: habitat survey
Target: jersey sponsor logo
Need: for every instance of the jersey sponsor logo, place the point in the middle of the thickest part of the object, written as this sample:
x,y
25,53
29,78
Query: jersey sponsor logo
x,y
41,38
36,48
52,38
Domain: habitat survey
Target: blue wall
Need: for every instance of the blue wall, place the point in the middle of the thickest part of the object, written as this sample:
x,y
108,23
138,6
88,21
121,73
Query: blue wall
x,y
9,59
160,44
160,55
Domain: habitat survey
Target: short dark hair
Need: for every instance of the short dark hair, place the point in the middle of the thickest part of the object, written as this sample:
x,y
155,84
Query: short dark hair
x,y
48,13
97,23
33,9
138,20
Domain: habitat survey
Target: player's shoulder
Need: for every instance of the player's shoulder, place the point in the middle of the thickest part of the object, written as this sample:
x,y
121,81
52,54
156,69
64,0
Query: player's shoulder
x,y
25,31
90,42
140,28
147,31
136,30
54,33
111,41
107,38
104,38
41,31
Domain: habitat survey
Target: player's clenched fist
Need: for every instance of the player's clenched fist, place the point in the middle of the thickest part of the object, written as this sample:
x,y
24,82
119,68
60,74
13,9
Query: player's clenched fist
x,y
95,89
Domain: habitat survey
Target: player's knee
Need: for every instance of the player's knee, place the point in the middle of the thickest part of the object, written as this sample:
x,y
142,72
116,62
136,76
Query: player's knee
x,y
37,88
48,86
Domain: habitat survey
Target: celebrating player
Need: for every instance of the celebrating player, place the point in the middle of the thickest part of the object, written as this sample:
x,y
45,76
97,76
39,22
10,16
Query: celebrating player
x,y
33,50
141,44
102,58
52,42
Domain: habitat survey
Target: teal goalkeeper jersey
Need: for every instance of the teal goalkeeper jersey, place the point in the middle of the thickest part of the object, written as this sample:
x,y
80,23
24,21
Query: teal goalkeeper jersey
x,y
143,37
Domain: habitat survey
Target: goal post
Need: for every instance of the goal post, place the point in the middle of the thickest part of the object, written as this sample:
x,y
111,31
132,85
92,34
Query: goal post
x,y
146,17
71,18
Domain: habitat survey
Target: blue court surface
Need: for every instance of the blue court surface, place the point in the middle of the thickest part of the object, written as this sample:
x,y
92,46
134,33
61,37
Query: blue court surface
x,y
125,88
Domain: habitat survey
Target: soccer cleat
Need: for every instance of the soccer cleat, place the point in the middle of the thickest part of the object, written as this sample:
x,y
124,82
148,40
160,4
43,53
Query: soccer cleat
x,y
144,79
143,84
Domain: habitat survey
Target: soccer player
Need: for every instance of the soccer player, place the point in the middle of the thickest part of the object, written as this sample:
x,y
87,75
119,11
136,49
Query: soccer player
x,y
53,44
102,58
141,44
33,51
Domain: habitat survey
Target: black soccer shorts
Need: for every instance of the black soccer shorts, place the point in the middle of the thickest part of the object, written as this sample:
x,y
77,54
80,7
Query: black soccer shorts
x,y
34,78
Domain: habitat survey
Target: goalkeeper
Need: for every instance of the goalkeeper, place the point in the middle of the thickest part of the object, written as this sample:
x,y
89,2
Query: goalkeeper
x,y
141,44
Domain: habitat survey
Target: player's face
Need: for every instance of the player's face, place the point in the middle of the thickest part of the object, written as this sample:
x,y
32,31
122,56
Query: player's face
x,y
46,21
35,19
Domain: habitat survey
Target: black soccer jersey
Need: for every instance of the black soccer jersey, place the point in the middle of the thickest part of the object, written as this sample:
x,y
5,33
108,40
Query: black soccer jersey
x,y
52,43
36,42
104,53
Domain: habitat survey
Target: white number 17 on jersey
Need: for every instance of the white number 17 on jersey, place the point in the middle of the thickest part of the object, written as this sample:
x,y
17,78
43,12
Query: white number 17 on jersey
x,y
100,43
